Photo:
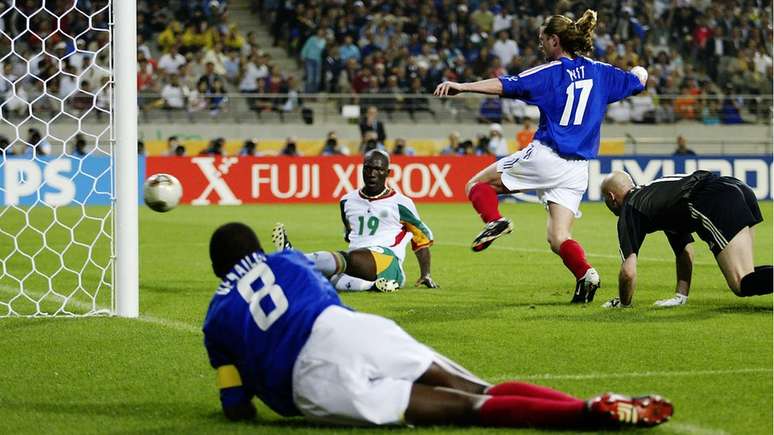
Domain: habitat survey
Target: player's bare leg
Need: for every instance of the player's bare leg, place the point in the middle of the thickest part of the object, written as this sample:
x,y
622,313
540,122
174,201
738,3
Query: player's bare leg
x,y
559,236
736,263
348,271
441,397
482,190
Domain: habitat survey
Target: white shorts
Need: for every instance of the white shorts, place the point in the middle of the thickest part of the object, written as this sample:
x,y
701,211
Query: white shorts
x,y
556,179
359,368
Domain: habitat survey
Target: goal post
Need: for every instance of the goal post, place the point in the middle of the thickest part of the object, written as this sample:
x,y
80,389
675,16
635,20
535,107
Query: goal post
x,y
69,177
126,285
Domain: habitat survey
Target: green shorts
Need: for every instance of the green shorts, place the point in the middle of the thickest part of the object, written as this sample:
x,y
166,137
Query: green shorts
x,y
388,265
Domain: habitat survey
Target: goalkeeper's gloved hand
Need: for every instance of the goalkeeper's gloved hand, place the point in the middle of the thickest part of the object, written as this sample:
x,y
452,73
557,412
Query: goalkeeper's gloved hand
x,y
427,282
615,303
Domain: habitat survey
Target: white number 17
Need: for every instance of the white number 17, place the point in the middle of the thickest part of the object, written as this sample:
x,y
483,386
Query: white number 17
x,y
585,87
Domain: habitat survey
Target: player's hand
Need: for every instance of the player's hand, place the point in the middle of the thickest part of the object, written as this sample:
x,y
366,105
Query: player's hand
x,y
427,282
448,89
615,303
674,301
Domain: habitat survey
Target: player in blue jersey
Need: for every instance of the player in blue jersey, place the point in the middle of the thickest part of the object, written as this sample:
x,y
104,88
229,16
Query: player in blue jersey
x,y
572,93
276,329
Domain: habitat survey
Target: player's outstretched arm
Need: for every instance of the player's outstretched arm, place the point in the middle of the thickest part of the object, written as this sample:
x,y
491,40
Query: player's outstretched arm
x,y
488,86
684,268
423,258
627,279
627,282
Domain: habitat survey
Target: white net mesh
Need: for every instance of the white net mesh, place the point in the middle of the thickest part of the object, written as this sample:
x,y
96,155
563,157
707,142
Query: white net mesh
x,y
56,166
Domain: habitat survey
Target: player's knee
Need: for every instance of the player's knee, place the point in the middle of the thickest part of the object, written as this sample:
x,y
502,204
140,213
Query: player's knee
x,y
555,240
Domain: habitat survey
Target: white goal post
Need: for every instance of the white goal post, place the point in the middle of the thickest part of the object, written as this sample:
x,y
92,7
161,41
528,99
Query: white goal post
x,y
68,159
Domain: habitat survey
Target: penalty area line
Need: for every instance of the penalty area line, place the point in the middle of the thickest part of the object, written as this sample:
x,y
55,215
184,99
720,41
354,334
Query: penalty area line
x,y
751,370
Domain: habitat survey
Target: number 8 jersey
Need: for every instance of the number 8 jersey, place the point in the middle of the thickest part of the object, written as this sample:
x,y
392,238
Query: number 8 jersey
x,y
572,95
390,221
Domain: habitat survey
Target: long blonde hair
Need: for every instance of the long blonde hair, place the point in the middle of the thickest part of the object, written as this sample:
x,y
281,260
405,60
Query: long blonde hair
x,y
575,37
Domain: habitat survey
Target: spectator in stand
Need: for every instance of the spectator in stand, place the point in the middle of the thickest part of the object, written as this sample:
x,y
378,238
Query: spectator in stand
x,y
682,148
215,147
250,148
332,146
174,96
210,76
217,97
400,148
349,50
483,18
497,143
37,145
454,143
524,136
172,61
370,142
372,123
5,147
311,54
172,143
505,48
217,58
197,98
502,20
140,148
80,149
179,151
290,149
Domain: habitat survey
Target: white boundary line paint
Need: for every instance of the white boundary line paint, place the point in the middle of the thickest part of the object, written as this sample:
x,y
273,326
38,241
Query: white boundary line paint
x,y
691,429
588,254
549,376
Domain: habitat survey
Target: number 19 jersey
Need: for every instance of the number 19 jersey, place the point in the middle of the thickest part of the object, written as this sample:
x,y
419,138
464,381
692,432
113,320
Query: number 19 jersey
x,y
390,221
572,95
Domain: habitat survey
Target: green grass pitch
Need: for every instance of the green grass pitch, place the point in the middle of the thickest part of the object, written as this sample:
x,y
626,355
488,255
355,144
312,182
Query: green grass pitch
x,y
503,313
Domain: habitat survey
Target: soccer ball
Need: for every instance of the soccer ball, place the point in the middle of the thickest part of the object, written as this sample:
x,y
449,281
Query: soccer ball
x,y
162,192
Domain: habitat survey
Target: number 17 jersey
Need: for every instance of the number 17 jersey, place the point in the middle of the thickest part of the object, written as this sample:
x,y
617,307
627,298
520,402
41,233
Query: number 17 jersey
x,y
572,95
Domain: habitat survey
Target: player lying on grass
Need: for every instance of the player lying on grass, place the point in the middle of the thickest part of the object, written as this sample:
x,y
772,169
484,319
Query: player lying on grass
x,y
378,224
572,92
721,210
276,329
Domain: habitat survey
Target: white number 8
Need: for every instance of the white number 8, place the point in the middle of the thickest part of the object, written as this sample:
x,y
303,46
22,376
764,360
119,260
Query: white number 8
x,y
244,285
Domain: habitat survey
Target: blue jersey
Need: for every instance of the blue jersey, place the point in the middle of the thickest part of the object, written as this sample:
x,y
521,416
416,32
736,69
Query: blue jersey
x,y
258,321
572,95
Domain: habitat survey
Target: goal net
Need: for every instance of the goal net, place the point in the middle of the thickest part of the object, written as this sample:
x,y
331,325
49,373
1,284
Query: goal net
x,y
60,244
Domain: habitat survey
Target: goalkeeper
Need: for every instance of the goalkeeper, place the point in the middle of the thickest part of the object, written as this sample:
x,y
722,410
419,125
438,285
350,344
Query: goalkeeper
x,y
276,329
720,210
378,224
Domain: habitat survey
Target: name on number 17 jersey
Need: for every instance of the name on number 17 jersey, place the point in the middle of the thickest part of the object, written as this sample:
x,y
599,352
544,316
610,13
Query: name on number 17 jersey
x,y
259,319
572,95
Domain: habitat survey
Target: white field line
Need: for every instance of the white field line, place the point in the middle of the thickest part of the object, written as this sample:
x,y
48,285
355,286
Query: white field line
x,y
168,323
588,254
649,374
691,429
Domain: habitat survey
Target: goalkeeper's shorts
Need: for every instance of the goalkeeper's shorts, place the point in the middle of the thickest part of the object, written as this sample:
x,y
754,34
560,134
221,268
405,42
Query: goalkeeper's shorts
x,y
388,265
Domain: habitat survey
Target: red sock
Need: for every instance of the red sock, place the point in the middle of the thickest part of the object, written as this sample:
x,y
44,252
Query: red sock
x,y
484,199
513,388
574,258
517,411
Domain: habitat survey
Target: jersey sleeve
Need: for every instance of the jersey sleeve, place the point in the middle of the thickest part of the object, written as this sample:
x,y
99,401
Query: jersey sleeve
x,y
630,232
678,241
527,88
421,236
620,84
344,220
227,378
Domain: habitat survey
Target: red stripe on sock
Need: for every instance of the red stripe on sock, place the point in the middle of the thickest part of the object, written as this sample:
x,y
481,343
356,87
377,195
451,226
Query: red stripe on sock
x,y
484,200
574,258
517,411
514,388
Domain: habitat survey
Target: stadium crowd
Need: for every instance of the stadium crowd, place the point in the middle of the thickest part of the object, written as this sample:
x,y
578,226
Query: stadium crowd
x,y
388,54
700,52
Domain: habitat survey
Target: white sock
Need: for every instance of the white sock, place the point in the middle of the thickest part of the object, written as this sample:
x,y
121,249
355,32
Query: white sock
x,y
348,283
328,263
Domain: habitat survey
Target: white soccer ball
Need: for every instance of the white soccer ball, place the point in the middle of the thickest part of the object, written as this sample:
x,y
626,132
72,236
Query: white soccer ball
x,y
162,192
